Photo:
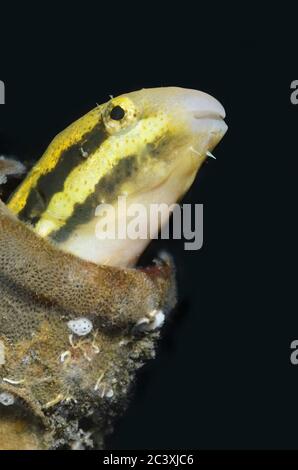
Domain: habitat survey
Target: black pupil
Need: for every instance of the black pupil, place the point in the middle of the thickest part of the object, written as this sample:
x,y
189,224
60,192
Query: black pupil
x,y
117,113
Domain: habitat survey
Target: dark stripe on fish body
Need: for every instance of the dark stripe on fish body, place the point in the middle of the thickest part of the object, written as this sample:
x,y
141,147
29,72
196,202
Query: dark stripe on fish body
x,y
53,181
106,189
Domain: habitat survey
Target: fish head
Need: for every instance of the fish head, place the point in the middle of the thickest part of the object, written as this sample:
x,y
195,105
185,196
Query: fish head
x,y
146,146
166,133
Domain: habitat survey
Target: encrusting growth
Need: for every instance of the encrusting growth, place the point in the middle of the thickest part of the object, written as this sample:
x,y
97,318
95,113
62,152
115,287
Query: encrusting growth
x,y
69,338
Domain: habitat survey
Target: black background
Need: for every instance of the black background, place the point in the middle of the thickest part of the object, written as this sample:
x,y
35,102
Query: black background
x,y
222,377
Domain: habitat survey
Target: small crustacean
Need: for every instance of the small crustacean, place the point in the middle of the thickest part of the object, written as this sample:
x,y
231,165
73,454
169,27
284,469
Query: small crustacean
x,y
77,318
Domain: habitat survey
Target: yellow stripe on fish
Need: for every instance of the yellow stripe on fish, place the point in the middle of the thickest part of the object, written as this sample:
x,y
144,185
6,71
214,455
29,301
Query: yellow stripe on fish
x,y
74,135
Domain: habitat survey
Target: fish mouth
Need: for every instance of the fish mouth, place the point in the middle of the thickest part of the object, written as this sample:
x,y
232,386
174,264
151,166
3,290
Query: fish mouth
x,y
207,114
204,114
208,117
205,121
209,128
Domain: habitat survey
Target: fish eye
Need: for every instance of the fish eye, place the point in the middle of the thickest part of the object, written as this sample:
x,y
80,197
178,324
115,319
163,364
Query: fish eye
x,y
117,113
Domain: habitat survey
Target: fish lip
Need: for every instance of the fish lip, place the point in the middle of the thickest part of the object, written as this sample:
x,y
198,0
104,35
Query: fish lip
x,y
209,122
209,115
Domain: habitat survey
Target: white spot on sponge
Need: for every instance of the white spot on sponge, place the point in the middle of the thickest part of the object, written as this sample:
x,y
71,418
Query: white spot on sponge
x,y
6,399
80,326
158,320
153,322
109,393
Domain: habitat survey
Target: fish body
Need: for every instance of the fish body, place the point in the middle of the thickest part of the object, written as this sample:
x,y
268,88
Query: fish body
x,y
146,146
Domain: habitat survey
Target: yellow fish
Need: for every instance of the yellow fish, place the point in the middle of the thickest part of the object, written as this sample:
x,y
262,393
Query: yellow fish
x,y
146,145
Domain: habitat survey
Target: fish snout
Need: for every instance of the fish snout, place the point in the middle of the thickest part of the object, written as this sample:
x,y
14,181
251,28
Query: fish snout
x,y
202,105
204,114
